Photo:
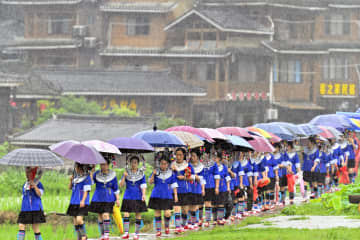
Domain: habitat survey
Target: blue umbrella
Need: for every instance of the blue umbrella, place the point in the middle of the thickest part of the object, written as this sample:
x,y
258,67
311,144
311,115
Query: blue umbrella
x,y
337,121
310,129
158,138
291,127
278,130
239,142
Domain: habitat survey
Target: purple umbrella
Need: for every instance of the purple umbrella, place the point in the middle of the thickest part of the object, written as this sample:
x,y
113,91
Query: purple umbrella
x,y
78,152
337,121
131,145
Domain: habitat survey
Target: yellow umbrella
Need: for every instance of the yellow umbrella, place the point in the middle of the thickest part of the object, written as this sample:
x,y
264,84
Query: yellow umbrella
x,y
355,121
262,132
189,139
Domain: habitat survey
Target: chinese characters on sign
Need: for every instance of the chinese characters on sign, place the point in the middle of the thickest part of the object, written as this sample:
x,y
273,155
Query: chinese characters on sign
x,y
123,103
337,89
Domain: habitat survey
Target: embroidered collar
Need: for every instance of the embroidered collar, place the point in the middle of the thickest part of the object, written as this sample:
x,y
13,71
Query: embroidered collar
x,y
291,154
220,167
277,155
343,145
134,177
208,164
27,184
335,146
105,178
164,175
235,164
180,166
198,168
79,179
309,152
268,156
244,162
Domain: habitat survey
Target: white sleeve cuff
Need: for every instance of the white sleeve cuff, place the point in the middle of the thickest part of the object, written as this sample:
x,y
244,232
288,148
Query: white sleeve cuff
x,y
41,192
334,161
174,185
142,186
117,192
193,177
87,188
317,160
203,181
228,178
256,174
347,154
327,165
297,165
276,167
216,176
241,173
267,168
249,174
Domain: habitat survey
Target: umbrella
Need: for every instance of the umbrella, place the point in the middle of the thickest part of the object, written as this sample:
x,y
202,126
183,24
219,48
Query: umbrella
x,y
189,139
237,131
192,130
131,145
260,144
101,146
274,138
214,134
326,133
239,142
292,128
260,131
31,157
310,129
278,130
158,138
334,131
78,152
337,121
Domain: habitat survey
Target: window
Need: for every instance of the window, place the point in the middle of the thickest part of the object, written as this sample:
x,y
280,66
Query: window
x,y
289,71
335,68
210,71
30,24
337,24
191,71
138,26
209,40
194,39
60,24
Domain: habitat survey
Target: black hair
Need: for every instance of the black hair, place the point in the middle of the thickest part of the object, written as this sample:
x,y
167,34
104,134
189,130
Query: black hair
x,y
164,158
312,140
134,157
277,145
182,150
218,154
197,152
291,144
83,167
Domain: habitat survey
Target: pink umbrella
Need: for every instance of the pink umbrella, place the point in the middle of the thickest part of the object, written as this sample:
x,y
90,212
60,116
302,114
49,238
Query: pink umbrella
x,y
260,144
236,131
326,133
192,130
274,138
101,146
214,134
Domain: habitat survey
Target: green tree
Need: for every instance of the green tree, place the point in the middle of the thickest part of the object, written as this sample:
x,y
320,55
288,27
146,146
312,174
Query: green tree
x,y
165,122
4,149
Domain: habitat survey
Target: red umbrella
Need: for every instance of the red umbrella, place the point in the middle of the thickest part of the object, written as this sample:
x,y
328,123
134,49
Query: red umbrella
x,y
196,131
236,131
260,144
326,133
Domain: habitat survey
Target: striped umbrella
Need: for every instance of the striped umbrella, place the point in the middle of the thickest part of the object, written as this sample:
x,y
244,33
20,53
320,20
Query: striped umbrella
x,y
310,129
31,157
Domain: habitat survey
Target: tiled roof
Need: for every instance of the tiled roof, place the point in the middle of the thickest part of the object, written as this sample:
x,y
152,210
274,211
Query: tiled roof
x,y
42,44
40,2
165,52
228,20
315,47
80,128
126,6
140,83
